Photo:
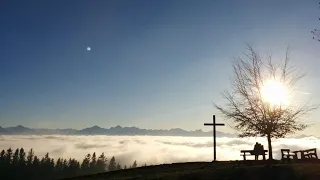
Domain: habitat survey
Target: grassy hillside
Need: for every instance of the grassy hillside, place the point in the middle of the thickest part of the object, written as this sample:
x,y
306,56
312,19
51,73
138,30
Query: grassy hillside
x,y
219,170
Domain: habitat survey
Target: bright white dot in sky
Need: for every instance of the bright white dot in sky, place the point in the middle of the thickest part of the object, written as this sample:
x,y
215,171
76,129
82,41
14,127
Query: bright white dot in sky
x,y
88,48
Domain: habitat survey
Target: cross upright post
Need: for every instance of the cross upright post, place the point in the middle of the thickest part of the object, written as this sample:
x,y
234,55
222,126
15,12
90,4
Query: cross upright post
x,y
214,135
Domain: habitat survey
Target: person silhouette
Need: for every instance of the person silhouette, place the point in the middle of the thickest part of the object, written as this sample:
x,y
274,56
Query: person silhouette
x,y
256,150
262,151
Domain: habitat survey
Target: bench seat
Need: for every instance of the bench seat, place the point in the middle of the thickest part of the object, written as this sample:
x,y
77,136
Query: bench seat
x,y
251,153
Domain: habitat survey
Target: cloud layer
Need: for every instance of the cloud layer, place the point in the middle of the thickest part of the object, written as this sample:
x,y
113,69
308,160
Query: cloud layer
x,y
148,149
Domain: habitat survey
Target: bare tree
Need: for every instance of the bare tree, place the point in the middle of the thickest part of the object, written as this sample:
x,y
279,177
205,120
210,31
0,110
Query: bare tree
x,y
250,111
316,32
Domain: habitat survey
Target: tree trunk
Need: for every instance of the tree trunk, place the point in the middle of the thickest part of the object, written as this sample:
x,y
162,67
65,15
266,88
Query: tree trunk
x,y
269,147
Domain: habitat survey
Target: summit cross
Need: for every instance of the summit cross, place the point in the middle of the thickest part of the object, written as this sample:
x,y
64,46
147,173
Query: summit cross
x,y
214,124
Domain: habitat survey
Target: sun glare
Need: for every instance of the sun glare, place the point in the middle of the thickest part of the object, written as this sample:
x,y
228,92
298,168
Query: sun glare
x,y
275,93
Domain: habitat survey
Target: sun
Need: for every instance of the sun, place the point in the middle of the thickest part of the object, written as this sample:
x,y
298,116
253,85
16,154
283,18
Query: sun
x,y
275,93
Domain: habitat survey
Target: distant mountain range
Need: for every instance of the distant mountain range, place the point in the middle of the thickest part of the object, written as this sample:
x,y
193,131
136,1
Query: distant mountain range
x,y
118,130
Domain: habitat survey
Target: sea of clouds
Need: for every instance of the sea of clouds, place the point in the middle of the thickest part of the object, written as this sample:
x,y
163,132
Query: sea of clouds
x,y
148,149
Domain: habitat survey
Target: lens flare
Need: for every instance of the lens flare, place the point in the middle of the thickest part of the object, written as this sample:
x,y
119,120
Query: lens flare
x,y
275,93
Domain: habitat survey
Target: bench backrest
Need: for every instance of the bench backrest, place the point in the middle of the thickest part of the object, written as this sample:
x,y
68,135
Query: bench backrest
x,y
285,151
311,150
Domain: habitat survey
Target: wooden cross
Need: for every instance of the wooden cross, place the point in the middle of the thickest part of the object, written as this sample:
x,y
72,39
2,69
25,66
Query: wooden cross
x,y
214,135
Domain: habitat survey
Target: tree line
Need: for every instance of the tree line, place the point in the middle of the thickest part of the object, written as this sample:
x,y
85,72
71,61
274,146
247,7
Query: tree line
x,y
20,164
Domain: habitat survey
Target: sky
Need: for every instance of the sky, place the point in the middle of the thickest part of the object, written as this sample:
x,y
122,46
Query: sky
x,y
151,64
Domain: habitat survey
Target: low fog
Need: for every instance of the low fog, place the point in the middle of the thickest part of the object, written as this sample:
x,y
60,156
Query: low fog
x,y
148,149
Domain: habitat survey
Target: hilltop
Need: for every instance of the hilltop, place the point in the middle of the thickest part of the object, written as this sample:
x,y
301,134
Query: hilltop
x,y
206,171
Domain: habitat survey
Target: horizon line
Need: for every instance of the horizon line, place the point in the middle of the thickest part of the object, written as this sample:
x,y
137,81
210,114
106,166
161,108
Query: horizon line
x,y
104,128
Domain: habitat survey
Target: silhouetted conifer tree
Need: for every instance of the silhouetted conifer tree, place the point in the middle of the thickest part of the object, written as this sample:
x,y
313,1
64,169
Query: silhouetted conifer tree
x,y
65,165
3,164
7,166
118,167
15,157
30,157
102,163
21,164
15,164
112,164
2,158
134,165
93,163
22,157
2,155
85,165
8,156
46,166
29,170
58,169
74,168
36,162
36,168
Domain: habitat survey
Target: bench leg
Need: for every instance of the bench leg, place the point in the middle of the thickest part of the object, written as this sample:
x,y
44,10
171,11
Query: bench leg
x,y
264,157
244,157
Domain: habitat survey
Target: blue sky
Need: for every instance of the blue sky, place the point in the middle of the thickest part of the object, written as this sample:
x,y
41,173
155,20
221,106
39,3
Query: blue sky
x,y
153,64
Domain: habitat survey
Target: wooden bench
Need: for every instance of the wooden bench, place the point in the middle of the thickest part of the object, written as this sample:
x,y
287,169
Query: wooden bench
x,y
251,153
308,153
286,154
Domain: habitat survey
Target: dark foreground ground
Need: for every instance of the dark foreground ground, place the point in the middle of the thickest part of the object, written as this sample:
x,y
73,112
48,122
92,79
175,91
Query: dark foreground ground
x,y
219,170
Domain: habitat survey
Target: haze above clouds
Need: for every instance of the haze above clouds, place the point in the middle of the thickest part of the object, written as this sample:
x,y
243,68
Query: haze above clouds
x,y
147,149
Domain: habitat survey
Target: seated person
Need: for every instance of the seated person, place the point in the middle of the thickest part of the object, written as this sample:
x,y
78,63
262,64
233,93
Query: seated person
x,y
257,150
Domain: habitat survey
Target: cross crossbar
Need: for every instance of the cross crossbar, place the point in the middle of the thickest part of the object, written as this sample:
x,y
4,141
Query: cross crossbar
x,y
210,124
